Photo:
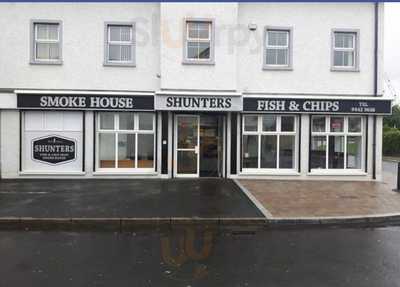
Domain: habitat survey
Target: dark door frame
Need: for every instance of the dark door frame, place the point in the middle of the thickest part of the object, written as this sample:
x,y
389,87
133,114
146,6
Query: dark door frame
x,y
224,138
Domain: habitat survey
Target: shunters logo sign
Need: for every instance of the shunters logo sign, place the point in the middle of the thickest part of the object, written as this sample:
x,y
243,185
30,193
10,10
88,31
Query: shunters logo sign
x,y
198,103
53,149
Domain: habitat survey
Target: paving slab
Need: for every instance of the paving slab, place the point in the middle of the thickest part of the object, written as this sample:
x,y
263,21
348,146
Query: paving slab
x,y
315,199
124,198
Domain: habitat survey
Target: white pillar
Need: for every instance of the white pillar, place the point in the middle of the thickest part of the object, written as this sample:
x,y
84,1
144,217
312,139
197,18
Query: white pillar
x,y
89,147
378,146
228,145
304,144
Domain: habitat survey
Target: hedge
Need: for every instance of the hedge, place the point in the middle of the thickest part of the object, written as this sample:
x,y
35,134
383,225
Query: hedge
x,y
391,141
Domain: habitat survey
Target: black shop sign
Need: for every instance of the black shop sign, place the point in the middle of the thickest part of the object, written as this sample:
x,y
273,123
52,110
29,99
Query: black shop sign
x,y
298,105
84,102
53,149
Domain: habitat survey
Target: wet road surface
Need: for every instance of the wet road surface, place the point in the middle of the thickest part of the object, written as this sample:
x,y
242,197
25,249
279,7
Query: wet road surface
x,y
104,198
389,173
187,257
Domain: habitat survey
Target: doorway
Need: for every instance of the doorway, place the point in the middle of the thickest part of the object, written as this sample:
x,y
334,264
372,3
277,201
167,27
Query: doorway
x,y
198,145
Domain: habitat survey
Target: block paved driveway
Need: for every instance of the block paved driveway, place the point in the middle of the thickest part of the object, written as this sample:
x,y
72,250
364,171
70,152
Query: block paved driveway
x,y
297,198
116,198
323,198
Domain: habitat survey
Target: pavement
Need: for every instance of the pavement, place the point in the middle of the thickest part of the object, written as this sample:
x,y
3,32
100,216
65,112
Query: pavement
x,y
139,198
188,257
300,199
126,205
315,199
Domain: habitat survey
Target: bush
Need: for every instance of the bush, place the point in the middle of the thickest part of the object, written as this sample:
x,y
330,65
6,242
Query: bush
x,y
391,141
393,120
387,129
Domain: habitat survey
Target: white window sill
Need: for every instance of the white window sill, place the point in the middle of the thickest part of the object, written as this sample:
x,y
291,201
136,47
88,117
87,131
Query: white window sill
x,y
345,172
119,64
345,69
39,62
58,173
277,68
250,172
198,62
132,173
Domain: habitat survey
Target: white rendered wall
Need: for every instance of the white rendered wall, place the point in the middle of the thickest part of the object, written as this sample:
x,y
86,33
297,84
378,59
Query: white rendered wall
x,y
83,47
9,143
312,24
238,51
174,74
238,58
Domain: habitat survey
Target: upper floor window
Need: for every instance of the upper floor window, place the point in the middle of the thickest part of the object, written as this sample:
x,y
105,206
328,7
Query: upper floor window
x,y
277,51
46,42
345,50
199,42
119,44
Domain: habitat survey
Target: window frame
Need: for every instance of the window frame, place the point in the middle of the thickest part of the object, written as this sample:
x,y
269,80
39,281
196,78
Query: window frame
x,y
211,39
345,133
33,42
289,66
356,49
116,131
107,62
278,133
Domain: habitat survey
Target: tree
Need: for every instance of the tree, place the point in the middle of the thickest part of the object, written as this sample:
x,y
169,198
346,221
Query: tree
x,y
393,120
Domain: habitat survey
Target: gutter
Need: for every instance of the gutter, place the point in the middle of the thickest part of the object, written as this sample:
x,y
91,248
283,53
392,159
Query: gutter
x,y
376,27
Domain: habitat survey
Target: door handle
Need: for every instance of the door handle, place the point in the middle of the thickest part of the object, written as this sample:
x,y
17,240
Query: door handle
x,y
196,149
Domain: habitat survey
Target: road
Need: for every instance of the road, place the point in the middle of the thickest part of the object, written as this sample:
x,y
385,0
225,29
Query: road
x,y
327,257
389,172
188,257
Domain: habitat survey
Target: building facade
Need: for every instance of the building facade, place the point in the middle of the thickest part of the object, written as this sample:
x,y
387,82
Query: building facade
x,y
245,90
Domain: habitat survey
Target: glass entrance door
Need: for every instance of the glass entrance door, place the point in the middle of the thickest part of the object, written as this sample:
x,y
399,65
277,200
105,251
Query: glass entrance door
x,y
187,145
211,143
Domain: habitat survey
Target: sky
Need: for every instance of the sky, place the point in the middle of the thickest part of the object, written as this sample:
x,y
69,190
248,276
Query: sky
x,y
392,45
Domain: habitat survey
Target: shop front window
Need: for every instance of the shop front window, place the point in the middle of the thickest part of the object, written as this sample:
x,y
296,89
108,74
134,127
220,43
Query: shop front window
x,y
126,141
336,142
52,141
269,142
